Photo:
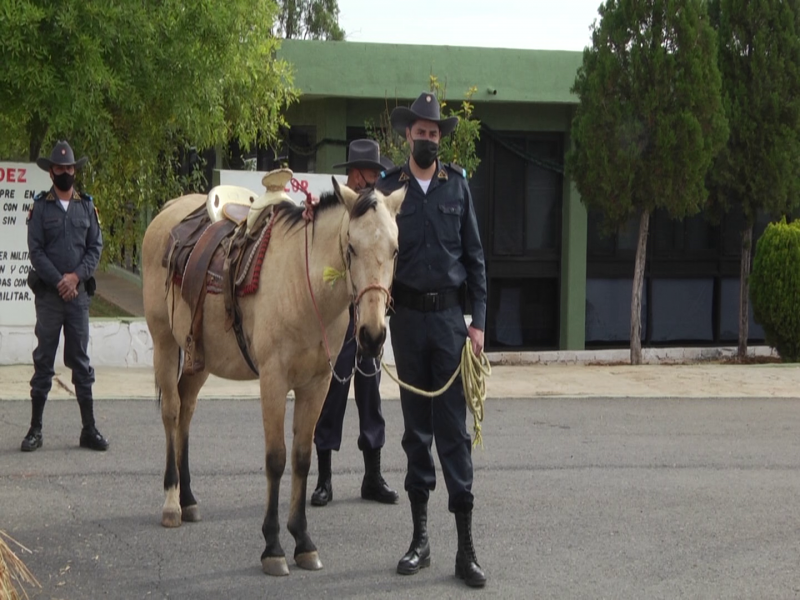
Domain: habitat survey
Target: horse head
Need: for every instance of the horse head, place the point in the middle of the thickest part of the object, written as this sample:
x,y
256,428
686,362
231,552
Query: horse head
x,y
370,256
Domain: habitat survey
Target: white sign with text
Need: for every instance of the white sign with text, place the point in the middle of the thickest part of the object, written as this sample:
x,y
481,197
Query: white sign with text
x,y
315,183
19,184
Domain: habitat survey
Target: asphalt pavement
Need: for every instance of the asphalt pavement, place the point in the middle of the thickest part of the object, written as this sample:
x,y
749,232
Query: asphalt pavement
x,y
575,498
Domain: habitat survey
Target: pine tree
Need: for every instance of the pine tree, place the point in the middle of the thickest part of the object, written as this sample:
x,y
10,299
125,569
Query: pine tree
x,y
757,170
649,120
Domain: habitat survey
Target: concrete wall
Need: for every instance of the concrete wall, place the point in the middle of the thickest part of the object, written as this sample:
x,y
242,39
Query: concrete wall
x,y
112,343
127,343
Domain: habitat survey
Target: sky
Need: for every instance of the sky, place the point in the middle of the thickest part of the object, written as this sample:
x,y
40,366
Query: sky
x,y
526,24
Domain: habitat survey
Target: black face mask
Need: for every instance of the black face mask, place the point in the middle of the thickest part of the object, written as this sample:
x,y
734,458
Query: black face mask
x,y
64,181
424,153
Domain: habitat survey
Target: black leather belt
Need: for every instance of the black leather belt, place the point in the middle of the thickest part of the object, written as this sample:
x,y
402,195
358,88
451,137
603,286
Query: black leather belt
x,y
426,301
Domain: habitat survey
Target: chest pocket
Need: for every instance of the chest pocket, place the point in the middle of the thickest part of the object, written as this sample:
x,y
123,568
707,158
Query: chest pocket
x,y
409,227
80,226
449,225
52,223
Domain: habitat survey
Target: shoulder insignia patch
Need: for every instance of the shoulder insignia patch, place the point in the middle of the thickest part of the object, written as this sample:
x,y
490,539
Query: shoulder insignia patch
x,y
458,169
85,196
392,171
30,214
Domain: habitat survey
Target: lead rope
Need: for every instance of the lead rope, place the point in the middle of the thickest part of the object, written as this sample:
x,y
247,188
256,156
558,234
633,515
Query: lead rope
x,y
473,370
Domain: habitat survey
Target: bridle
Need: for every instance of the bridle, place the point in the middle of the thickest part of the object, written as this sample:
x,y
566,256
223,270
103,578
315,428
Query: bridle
x,y
355,298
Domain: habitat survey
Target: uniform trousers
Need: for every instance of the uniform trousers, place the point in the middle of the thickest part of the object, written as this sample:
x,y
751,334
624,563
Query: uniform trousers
x,y
53,315
372,426
427,350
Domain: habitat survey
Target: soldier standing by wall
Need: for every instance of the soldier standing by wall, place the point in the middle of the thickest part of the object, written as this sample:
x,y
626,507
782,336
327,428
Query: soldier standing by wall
x,y
64,244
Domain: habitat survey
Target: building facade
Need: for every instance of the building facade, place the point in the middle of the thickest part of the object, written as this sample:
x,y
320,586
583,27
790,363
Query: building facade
x,y
556,280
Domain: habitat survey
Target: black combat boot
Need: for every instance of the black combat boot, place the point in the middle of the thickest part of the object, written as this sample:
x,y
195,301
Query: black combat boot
x,y
33,439
93,439
324,491
467,567
373,486
90,437
419,552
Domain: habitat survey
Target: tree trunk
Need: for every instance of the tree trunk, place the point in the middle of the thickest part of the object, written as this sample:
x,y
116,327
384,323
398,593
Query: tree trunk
x,y
37,130
744,291
636,291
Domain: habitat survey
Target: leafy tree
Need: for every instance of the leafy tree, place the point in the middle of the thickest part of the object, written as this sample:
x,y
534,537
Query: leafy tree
x,y
458,147
649,121
134,84
759,59
309,20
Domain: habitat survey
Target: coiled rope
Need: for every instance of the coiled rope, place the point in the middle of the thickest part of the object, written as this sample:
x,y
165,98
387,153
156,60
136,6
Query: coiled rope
x,y
473,370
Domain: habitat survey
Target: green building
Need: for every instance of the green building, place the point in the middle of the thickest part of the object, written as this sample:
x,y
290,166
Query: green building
x,y
555,280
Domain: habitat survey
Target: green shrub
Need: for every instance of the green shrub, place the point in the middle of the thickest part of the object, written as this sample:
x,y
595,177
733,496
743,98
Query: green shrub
x,y
775,288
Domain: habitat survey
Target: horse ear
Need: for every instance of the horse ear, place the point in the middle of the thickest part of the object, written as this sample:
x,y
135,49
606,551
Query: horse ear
x,y
395,199
347,196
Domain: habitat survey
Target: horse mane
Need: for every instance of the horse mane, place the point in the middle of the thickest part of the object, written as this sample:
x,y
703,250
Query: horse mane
x,y
292,214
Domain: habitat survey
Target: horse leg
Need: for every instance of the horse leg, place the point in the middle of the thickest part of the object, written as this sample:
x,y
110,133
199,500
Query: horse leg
x,y
165,362
307,406
188,388
273,412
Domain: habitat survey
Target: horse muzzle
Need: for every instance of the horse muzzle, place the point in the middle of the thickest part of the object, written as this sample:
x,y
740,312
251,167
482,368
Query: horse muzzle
x,y
370,343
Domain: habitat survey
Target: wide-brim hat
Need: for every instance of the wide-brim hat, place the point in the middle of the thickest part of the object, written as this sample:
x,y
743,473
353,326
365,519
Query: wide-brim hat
x,y
363,154
424,108
386,163
61,155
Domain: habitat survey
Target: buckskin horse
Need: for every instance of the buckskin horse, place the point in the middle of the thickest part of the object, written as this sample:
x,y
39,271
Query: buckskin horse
x,y
291,323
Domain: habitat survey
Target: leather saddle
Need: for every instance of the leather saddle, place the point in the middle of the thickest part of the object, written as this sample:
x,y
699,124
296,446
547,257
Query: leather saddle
x,y
222,195
208,255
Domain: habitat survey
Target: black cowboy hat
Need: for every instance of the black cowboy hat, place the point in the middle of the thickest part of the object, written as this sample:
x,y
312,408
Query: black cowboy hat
x,y
363,154
61,155
426,108
387,163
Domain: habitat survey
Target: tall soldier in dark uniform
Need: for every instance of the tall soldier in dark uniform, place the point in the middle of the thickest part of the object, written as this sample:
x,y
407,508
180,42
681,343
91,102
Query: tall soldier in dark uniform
x,y
364,163
440,251
64,244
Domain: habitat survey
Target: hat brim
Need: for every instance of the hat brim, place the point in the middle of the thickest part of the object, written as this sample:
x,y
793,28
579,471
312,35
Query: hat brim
x,y
403,117
45,163
360,164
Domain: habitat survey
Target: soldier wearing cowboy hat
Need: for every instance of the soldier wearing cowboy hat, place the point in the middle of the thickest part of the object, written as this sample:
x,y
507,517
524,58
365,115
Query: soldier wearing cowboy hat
x,y
440,251
363,166
64,245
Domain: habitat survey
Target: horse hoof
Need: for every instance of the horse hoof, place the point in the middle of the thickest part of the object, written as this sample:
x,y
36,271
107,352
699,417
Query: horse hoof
x,y
190,514
171,518
275,566
309,561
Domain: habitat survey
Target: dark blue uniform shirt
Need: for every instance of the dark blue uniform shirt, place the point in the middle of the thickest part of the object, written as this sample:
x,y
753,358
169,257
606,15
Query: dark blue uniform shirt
x,y
62,241
440,246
